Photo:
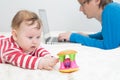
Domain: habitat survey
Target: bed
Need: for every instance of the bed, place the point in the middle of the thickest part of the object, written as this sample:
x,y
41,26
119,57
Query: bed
x,y
94,64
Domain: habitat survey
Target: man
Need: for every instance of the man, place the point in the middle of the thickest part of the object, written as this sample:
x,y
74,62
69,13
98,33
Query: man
x,y
107,13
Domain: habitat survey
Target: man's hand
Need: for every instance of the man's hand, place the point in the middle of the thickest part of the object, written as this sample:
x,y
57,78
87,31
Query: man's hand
x,y
64,36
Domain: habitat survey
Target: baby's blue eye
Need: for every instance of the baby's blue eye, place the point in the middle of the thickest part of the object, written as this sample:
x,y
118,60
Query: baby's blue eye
x,y
38,37
30,37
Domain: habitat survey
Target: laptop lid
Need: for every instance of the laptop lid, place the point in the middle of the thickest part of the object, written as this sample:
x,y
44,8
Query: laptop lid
x,y
43,17
46,32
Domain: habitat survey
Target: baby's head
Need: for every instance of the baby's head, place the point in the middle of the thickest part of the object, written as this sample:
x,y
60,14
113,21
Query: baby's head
x,y
26,30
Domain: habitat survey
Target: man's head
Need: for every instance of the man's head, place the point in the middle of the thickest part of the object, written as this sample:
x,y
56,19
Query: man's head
x,y
93,8
102,3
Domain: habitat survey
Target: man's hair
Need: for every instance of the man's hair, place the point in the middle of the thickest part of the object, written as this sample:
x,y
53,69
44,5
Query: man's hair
x,y
103,3
25,15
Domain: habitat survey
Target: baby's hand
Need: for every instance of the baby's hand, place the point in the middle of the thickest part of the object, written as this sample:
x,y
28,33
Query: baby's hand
x,y
47,62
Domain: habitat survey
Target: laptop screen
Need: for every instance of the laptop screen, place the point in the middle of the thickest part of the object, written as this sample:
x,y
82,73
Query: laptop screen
x,y
43,17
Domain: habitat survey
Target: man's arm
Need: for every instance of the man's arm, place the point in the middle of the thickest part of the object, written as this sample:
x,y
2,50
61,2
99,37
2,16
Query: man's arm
x,y
106,43
96,36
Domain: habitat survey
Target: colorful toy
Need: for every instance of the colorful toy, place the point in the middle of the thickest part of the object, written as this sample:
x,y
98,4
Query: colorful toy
x,y
67,64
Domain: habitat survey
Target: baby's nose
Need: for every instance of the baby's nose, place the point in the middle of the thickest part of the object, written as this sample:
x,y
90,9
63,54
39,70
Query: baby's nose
x,y
34,41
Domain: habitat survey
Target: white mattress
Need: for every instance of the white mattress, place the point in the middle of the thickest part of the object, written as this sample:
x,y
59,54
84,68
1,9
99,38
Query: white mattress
x,y
94,64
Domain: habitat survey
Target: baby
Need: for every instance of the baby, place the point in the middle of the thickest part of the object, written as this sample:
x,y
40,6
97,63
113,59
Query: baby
x,y
22,48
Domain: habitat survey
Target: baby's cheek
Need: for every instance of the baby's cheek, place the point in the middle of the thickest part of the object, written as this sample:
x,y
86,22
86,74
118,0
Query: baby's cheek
x,y
57,60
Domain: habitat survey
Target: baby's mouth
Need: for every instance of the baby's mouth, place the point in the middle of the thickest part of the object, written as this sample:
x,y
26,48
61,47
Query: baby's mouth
x,y
33,47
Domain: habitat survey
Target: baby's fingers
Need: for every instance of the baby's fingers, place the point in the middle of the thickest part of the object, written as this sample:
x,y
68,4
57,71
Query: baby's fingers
x,y
48,68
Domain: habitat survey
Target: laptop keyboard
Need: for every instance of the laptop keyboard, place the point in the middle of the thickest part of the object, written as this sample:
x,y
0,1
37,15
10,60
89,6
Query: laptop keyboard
x,y
54,39
51,40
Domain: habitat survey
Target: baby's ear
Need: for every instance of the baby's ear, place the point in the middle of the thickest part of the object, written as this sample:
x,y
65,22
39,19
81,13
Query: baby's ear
x,y
14,34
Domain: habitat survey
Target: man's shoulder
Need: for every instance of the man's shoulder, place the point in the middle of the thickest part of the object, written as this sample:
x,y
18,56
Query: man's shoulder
x,y
112,6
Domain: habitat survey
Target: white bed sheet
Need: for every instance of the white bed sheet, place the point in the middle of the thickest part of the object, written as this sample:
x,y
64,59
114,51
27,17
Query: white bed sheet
x,y
94,64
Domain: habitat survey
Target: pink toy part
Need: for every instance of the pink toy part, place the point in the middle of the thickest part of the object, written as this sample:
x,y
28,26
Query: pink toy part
x,y
62,65
73,64
67,64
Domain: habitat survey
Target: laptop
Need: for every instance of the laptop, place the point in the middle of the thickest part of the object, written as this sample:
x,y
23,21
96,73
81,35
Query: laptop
x,y
48,39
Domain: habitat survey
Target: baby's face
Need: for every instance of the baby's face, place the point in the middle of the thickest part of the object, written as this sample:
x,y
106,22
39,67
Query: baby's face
x,y
28,37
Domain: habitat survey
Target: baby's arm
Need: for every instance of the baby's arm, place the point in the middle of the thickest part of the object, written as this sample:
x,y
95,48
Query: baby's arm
x,y
40,52
46,61
20,59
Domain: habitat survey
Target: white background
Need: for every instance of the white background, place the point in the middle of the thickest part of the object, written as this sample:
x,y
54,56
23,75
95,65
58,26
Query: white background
x,y
63,15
